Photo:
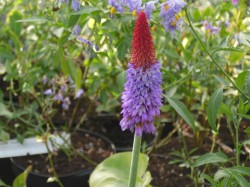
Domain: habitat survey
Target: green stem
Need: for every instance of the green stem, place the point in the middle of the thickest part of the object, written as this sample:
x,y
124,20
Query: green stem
x,y
211,150
51,162
237,144
134,161
212,58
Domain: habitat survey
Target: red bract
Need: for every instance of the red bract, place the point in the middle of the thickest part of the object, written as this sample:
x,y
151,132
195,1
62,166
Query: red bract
x,y
143,51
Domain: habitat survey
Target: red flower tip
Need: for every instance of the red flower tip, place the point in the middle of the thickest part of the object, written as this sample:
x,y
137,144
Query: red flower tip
x,y
143,51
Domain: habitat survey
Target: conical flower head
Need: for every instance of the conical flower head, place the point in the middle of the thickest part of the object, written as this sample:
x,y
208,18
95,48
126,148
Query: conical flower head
x,y
141,98
143,51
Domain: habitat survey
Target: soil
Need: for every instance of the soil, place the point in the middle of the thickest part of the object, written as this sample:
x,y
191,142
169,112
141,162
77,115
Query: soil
x,y
91,146
108,125
164,173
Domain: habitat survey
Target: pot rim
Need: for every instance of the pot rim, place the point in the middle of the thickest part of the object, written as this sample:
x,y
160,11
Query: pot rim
x,y
87,171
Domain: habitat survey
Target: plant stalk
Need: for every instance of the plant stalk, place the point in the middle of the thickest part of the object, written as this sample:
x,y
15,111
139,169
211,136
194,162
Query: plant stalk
x,y
134,161
237,144
212,58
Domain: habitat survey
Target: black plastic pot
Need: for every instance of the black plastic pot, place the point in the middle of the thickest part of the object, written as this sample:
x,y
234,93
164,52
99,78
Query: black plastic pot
x,y
108,125
77,179
5,171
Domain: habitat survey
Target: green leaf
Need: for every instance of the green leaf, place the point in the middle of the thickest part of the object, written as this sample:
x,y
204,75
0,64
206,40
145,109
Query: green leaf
x,y
78,79
236,56
213,108
15,26
86,10
114,171
209,179
227,49
221,174
59,58
2,184
241,169
243,38
36,20
122,49
246,142
121,79
182,110
20,180
6,53
241,79
229,173
4,111
4,136
211,158
69,68
72,20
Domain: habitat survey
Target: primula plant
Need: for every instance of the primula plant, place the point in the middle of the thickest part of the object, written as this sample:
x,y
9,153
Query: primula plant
x,y
175,69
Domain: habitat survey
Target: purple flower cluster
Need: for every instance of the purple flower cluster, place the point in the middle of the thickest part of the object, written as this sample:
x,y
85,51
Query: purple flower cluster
x,y
61,91
170,15
141,98
169,11
135,6
210,28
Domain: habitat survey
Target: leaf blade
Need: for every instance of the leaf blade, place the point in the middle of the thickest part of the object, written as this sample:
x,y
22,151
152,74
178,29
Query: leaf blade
x,y
211,158
213,108
182,110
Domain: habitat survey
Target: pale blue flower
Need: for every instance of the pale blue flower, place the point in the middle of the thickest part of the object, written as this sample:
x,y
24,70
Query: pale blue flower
x,y
58,97
210,28
134,6
48,92
149,7
85,41
75,5
116,6
172,25
170,15
76,30
227,23
66,103
79,93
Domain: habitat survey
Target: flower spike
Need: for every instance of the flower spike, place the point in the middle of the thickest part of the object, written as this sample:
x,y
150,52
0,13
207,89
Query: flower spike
x,y
143,51
142,94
